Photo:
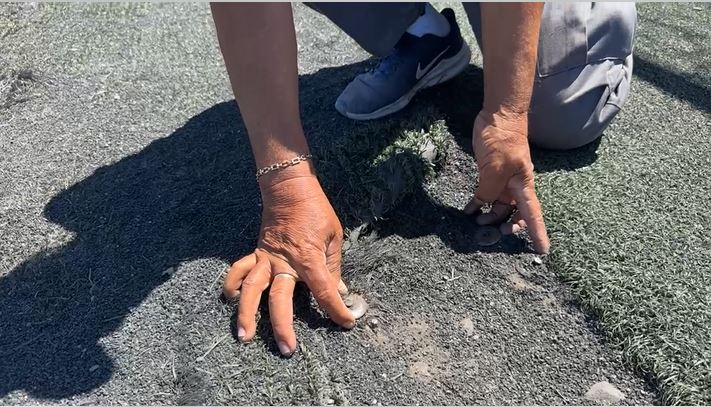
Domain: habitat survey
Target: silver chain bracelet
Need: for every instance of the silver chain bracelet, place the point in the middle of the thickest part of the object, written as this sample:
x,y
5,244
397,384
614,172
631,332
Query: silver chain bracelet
x,y
283,164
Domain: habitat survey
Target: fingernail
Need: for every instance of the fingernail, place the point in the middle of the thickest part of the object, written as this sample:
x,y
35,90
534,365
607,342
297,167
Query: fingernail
x,y
284,348
241,333
342,288
349,325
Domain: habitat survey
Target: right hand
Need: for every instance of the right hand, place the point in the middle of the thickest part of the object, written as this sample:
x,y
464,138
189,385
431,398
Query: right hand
x,y
300,240
506,177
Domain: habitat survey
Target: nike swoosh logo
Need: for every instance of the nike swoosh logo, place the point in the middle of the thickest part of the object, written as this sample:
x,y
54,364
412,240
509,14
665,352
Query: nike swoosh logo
x,y
421,72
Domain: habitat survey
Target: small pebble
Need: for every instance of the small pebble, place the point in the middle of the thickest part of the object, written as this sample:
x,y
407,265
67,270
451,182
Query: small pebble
x,y
373,323
330,401
537,261
429,151
374,402
468,326
604,392
169,271
487,236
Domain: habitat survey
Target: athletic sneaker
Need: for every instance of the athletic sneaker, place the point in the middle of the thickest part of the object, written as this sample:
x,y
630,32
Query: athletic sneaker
x,y
415,63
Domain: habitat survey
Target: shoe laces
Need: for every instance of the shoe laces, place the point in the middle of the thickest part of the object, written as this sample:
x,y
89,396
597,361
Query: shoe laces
x,y
387,65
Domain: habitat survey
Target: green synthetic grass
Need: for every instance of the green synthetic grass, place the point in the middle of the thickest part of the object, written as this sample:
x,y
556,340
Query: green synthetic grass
x,y
373,168
630,232
638,256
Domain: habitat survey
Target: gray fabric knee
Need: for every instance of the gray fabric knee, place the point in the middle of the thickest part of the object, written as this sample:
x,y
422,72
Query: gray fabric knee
x,y
583,72
567,112
376,27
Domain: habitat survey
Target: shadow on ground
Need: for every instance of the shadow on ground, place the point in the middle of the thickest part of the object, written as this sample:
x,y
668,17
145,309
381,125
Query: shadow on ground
x,y
189,195
680,86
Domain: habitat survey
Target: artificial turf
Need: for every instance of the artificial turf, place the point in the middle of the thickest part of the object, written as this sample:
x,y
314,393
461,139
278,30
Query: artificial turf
x,y
627,217
630,230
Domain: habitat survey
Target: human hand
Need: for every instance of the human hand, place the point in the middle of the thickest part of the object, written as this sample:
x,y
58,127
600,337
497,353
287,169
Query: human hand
x,y
300,240
506,177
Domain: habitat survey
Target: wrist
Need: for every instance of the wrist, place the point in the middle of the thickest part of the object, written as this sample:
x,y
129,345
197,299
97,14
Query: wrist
x,y
275,147
303,169
289,185
506,119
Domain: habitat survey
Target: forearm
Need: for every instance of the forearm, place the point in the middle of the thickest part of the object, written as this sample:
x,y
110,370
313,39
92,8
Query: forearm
x,y
259,48
510,42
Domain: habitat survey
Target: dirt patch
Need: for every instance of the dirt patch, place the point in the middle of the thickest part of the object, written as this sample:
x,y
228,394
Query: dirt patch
x,y
519,283
414,337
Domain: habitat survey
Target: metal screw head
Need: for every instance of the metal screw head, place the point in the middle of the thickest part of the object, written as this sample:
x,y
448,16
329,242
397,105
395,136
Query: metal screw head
x,y
487,236
358,306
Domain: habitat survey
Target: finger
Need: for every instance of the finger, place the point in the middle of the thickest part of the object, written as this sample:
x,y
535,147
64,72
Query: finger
x,y
515,225
256,281
333,262
237,272
530,208
499,213
477,202
281,312
491,184
333,258
324,289
342,288
473,206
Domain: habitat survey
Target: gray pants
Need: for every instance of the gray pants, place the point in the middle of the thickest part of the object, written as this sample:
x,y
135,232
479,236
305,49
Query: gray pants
x,y
584,60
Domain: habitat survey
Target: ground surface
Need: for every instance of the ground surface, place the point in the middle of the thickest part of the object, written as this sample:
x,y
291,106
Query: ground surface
x,y
127,187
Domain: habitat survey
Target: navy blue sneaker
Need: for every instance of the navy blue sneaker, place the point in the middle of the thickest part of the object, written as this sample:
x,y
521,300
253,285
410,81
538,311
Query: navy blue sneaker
x,y
415,63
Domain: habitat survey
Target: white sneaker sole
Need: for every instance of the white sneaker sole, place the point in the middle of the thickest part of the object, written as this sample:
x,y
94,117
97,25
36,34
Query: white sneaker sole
x,y
444,71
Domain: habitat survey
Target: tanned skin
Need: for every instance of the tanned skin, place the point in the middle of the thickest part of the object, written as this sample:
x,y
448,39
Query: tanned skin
x,y
300,237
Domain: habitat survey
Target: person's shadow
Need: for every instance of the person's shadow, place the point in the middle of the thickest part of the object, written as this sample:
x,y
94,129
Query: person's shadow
x,y
189,195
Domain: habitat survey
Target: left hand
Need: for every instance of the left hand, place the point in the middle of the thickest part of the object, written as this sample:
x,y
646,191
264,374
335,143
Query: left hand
x,y
299,240
506,176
